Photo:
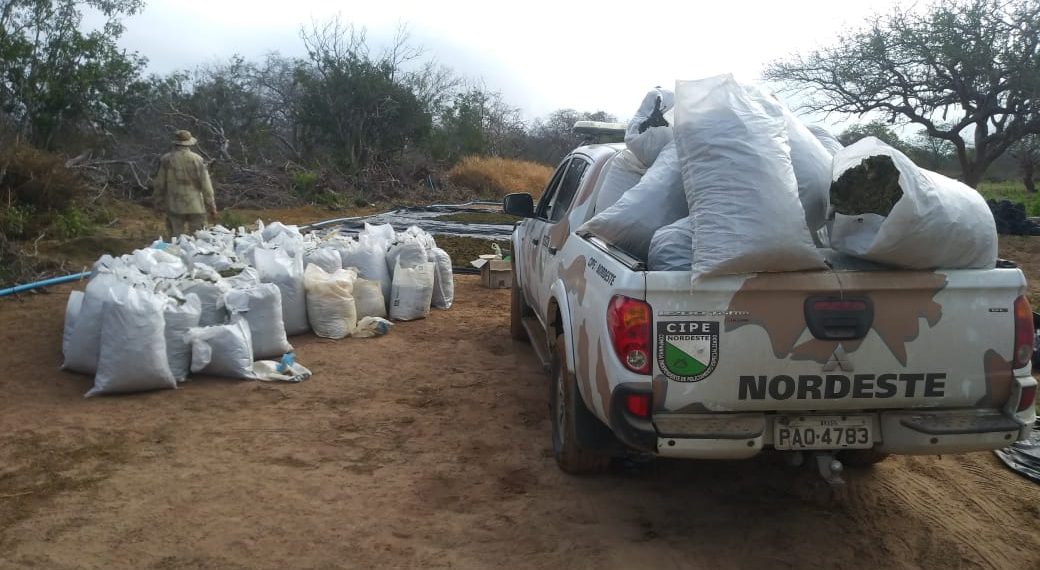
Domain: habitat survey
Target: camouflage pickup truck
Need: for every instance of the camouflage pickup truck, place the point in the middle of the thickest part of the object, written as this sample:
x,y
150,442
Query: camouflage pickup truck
x,y
842,366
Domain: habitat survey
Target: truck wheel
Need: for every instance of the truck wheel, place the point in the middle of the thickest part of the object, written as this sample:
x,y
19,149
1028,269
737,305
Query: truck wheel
x,y
564,400
861,458
517,310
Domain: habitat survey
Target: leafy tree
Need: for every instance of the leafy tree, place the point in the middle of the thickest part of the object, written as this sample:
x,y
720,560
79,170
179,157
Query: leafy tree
x,y
554,136
351,102
478,122
879,129
967,71
56,78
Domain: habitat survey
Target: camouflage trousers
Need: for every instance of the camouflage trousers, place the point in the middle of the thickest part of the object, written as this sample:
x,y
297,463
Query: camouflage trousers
x,y
178,224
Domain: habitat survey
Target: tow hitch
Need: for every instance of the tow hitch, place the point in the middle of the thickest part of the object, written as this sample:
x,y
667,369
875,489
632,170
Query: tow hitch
x,y
830,467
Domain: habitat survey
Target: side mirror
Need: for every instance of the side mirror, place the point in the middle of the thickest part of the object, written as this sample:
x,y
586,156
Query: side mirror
x,y
520,204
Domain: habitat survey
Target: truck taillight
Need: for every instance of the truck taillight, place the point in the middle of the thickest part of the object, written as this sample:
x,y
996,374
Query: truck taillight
x,y
1024,332
629,323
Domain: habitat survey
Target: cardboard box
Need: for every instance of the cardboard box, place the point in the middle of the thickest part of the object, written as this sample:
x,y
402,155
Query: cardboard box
x,y
496,274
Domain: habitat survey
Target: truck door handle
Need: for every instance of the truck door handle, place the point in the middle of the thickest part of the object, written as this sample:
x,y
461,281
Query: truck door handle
x,y
536,241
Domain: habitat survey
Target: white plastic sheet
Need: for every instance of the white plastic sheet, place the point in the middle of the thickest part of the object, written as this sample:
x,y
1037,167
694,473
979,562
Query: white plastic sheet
x,y
330,301
132,355
829,141
412,292
739,181
656,201
938,223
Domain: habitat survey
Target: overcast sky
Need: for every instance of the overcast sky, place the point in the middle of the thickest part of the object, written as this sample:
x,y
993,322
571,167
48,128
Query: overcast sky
x,y
542,55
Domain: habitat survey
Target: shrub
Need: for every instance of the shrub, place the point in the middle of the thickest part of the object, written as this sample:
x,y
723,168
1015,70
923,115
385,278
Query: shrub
x,y
72,222
496,177
1013,191
37,178
304,182
15,220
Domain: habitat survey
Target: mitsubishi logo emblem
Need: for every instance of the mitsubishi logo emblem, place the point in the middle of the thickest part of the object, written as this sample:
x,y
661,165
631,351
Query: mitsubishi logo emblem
x,y
838,361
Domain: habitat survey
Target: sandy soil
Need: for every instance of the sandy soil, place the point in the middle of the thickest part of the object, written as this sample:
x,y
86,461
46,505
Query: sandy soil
x,y
429,448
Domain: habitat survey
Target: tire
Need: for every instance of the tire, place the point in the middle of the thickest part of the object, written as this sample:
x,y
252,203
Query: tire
x,y
564,400
517,310
861,458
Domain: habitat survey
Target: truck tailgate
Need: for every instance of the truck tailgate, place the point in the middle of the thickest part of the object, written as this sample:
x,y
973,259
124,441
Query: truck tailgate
x,y
834,340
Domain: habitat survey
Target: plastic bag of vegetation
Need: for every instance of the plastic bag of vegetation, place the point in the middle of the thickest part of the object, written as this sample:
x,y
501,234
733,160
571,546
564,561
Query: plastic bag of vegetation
x,y
158,263
826,139
672,247
181,315
368,256
132,355
412,292
81,352
246,279
368,299
72,309
261,307
649,131
276,266
245,245
656,201
890,211
443,281
369,327
211,299
739,181
622,173
383,234
330,301
417,234
275,229
406,254
809,159
324,257
224,350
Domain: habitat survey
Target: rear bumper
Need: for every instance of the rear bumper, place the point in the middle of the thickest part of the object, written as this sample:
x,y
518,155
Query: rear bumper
x,y
740,436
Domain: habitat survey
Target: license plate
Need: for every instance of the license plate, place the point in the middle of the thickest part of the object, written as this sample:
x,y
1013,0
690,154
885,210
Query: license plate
x,y
823,432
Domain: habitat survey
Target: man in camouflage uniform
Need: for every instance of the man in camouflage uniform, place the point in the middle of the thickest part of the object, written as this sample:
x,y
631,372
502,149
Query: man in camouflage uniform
x,y
183,188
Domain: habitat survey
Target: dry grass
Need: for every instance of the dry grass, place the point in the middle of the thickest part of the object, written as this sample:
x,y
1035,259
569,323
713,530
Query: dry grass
x,y
496,177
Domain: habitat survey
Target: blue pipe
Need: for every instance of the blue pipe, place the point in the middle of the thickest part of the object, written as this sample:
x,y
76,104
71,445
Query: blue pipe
x,y
44,283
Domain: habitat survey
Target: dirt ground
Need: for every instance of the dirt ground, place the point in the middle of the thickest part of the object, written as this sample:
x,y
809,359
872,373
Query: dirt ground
x,y
429,448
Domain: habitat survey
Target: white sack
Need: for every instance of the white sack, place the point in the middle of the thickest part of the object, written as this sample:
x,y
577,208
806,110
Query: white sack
x,y
412,292
211,297
829,141
368,299
223,350
72,309
647,142
740,185
326,258
247,279
809,159
276,229
443,281
622,173
81,353
261,307
273,371
407,253
132,355
383,234
330,301
369,327
276,266
672,247
158,263
180,318
368,256
656,201
938,223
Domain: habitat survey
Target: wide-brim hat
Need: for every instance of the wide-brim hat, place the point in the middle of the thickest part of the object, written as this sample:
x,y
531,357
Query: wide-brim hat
x,y
184,138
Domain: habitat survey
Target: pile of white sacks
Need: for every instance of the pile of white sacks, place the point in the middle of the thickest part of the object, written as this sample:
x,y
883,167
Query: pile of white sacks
x,y
219,302
721,178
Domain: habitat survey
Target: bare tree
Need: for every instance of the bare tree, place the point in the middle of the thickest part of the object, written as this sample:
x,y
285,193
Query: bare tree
x,y
967,71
